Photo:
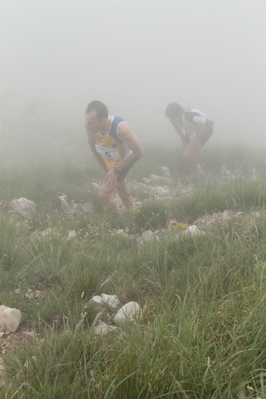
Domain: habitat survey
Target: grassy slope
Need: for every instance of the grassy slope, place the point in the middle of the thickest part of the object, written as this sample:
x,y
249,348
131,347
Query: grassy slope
x,y
203,329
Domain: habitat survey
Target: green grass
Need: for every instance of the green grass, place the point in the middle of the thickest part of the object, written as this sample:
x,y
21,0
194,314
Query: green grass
x,y
203,330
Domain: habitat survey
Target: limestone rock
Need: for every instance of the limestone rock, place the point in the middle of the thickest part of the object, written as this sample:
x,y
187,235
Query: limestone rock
x,y
72,234
161,179
192,231
165,171
88,207
147,235
2,375
103,328
9,318
21,207
110,301
96,185
96,301
67,207
128,312
161,191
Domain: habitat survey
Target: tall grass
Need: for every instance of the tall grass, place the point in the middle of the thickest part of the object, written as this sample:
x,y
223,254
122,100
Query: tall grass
x,y
202,334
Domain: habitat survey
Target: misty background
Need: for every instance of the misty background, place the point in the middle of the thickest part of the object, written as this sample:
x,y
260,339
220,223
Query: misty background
x,y
138,56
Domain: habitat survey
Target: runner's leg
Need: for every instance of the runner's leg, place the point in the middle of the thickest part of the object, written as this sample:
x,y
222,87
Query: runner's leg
x,y
125,195
190,157
105,195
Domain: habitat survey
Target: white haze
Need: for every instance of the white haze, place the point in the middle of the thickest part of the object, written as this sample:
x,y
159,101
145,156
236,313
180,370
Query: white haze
x,y
137,56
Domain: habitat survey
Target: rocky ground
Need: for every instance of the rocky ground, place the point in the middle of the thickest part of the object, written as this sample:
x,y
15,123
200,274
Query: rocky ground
x,y
155,187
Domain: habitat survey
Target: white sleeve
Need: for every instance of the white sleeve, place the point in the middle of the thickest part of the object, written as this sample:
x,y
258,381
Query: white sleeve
x,y
200,120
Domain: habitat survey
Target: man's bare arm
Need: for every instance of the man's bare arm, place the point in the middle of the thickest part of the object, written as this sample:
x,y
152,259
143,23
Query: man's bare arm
x,y
94,151
126,134
179,131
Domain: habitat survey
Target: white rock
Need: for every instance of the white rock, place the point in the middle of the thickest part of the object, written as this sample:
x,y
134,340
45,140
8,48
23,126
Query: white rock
x,y
96,301
225,214
31,361
111,301
96,185
147,235
172,224
10,318
2,375
103,328
166,171
71,234
2,370
88,207
139,240
47,232
255,214
29,333
67,207
128,312
161,191
192,231
22,207
162,179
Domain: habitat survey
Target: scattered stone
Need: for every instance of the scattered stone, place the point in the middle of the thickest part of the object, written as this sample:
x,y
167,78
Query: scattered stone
x,y
161,191
2,375
102,328
146,180
29,333
161,179
96,185
165,171
68,208
33,294
139,240
255,214
71,235
192,230
225,214
147,235
111,301
88,207
96,301
128,312
10,319
30,362
21,207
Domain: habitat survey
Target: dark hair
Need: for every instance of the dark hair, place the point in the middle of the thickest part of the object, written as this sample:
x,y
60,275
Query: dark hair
x,y
173,109
99,107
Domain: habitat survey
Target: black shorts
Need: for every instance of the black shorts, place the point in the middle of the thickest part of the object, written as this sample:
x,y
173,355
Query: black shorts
x,y
204,139
123,174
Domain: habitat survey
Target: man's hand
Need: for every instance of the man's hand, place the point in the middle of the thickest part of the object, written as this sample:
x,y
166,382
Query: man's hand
x,y
111,179
192,148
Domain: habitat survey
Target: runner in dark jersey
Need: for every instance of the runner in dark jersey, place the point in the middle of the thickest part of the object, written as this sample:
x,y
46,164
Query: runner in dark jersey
x,y
194,129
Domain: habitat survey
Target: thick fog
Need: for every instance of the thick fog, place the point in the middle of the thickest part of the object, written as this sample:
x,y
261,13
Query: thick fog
x,y
137,56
